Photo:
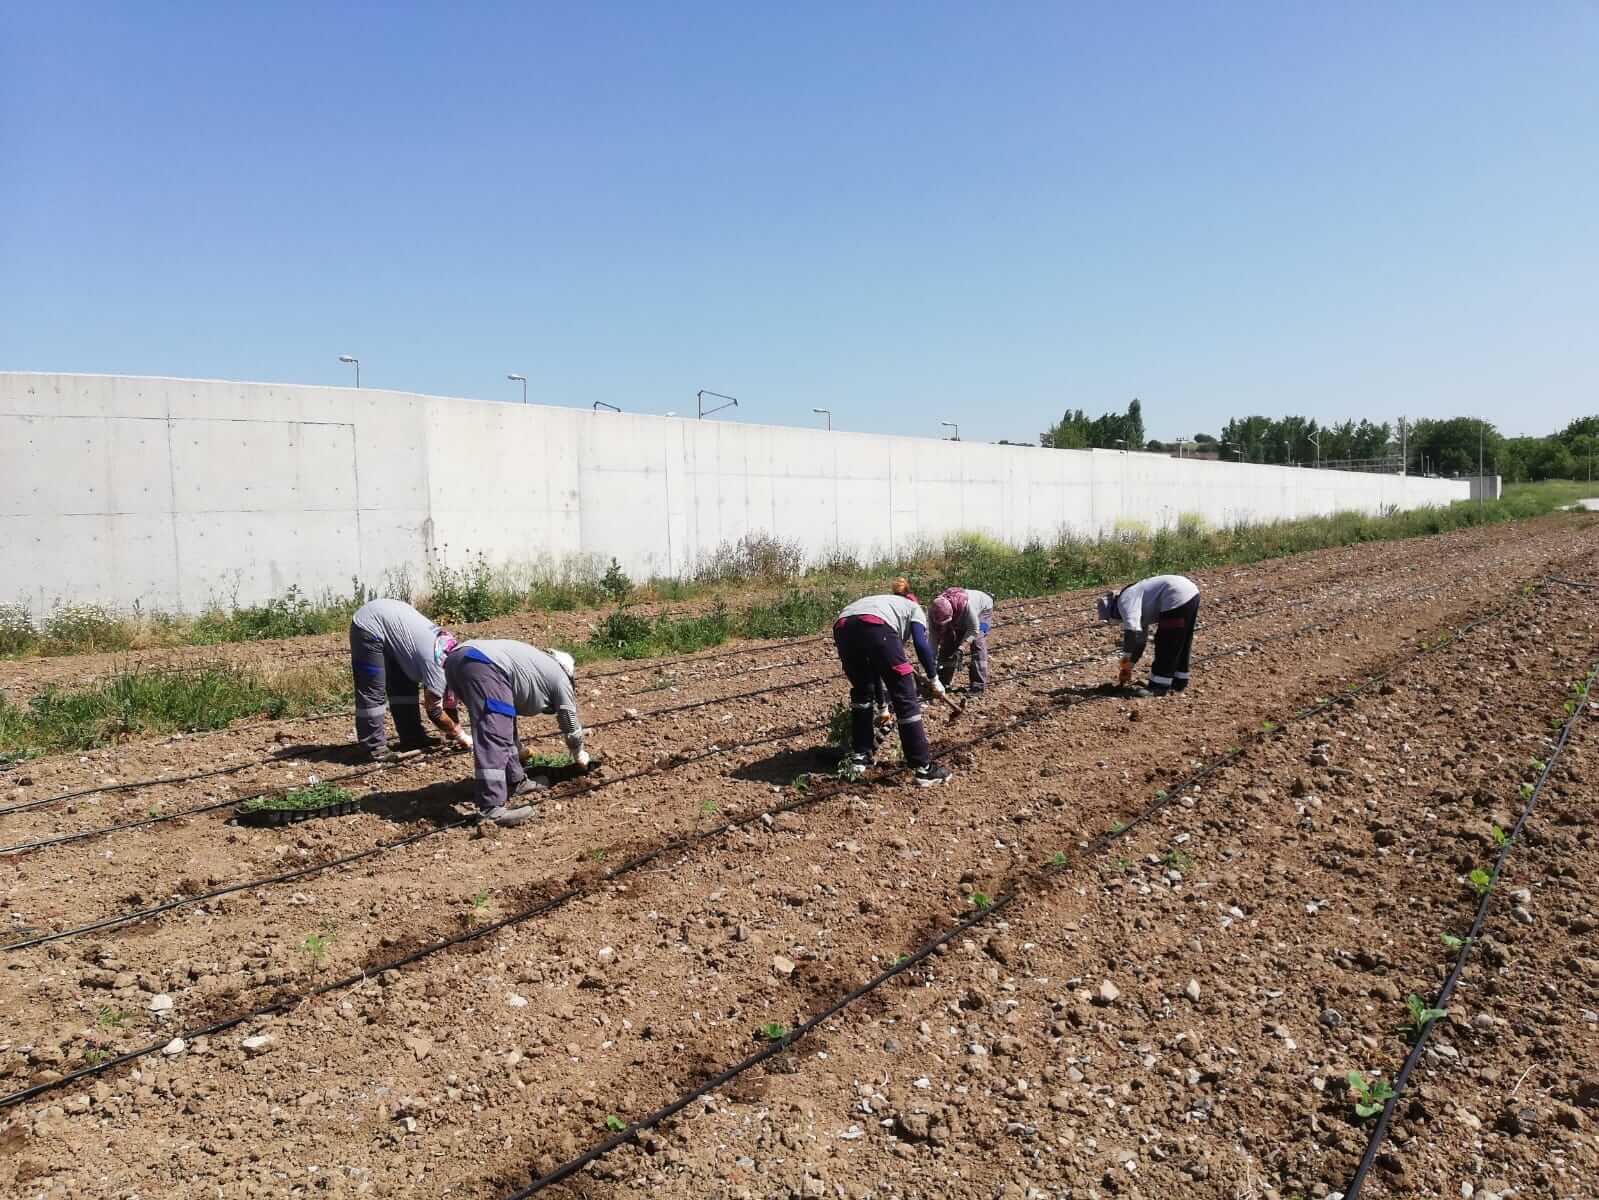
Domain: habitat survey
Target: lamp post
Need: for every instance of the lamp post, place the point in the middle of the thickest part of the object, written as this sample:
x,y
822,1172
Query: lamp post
x,y
351,360
1315,440
599,404
1288,452
699,398
522,379
825,412
955,427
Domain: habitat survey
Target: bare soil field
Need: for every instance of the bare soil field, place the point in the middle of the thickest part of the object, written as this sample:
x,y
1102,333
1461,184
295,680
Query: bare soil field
x,y
1167,929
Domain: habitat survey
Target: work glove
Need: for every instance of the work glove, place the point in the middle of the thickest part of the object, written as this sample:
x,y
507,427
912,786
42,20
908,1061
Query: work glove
x,y
583,759
463,739
937,686
1124,672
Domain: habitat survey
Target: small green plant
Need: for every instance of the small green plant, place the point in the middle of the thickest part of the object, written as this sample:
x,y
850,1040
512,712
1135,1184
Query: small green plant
x,y
94,1056
802,784
1057,859
315,947
1481,882
1369,1096
1179,860
1526,791
480,901
1160,795
898,959
596,855
152,812
1123,864
613,1122
615,584
1539,765
546,762
840,726
981,901
708,807
318,795
1268,726
1453,942
111,1018
772,1031
1420,1015
1117,826
1499,836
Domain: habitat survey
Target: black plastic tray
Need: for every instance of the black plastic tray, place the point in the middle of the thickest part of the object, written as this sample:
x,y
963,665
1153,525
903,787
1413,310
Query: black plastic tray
x,y
293,816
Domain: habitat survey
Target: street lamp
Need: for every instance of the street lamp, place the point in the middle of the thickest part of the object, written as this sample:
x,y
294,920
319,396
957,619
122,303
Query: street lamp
x,y
699,398
827,412
354,362
522,379
1288,452
1122,442
1238,446
599,404
1315,440
955,427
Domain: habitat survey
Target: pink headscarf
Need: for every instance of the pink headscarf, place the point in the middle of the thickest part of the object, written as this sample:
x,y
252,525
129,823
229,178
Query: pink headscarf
x,y
442,645
949,605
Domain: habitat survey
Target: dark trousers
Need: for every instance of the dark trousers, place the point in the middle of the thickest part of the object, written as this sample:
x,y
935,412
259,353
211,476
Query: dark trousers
x,y
949,660
1174,639
380,684
486,692
873,657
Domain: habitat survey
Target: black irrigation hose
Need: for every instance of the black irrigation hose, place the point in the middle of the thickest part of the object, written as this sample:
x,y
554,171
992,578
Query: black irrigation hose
x,y
1576,583
639,861
1162,800
133,785
1379,1135
100,830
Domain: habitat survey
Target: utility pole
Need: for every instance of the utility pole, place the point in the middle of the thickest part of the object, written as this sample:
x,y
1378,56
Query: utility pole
x,y
1482,484
1404,449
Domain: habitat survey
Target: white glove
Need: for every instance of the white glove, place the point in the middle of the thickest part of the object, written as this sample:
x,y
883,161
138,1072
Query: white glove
x,y
938,686
582,758
463,739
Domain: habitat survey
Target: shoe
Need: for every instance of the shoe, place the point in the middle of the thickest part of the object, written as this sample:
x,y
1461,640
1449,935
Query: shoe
x,y
854,767
931,774
533,783
507,818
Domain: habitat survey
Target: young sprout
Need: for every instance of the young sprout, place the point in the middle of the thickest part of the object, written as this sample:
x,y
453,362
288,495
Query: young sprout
x,y
1179,860
1481,882
1453,942
1499,835
614,1123
772,1031
1268,726
596,855
480,901
1057,859
315,946
112,1018
1117,826
1369,1097
1420,1015
981,901
708,807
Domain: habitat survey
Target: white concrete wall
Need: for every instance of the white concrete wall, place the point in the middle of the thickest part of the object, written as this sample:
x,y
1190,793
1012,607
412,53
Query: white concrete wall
x,y
176,493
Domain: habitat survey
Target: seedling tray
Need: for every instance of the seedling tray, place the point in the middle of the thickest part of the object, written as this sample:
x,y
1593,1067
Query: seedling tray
x,y
293,816
562,773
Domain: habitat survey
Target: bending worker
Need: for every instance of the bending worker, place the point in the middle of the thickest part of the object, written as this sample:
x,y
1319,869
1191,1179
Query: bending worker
x,y
498,681
960,622
394,650
1171,604
870,636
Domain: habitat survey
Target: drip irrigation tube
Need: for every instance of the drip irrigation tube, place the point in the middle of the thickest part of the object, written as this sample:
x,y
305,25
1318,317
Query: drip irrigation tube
x,y
1379,1135
639,861
921,953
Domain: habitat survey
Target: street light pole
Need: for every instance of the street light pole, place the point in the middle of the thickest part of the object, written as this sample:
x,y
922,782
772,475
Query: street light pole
x,y
827,412
522,379
955,427
1482,484
351,360
699,403
1315,440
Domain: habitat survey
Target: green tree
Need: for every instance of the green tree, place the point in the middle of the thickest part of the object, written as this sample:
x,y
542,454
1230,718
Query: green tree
x,y
1449,447
1069,433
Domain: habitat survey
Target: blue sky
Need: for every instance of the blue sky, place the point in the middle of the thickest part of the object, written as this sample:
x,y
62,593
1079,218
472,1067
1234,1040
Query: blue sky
x,y
904,213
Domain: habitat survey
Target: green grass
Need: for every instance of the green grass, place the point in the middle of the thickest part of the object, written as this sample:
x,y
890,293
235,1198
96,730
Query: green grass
x,y
1553,492
137,703
318,795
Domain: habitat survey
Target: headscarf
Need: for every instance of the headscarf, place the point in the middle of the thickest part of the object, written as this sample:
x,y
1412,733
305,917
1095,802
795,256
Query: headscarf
x,y
1107,606
567,664
950,604
902,587
443,643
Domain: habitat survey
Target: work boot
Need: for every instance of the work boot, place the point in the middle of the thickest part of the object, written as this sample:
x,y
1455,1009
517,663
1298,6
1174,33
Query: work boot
x,y
532,784
855,766
931,775
507,818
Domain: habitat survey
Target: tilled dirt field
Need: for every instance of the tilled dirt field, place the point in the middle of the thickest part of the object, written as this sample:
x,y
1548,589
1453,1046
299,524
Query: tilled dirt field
x,y
1258,930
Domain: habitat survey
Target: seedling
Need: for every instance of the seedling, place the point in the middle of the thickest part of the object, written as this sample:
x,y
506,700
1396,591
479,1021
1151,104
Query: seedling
x,y
802,784
1178,860
1160,795
1124,865
480,901
111,1018
1420,1015
898,959
1499,835
1057,859
1369,1096
773,1032
1117,826
1539,765
1526,791
981,901
614,1123
315,946
318,795
1268,726
1481,882
547,762
96,1056
152,812
1453,942
708,807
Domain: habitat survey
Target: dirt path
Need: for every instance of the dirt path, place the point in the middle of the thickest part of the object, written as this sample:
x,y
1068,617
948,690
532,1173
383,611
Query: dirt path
x,y
469,1069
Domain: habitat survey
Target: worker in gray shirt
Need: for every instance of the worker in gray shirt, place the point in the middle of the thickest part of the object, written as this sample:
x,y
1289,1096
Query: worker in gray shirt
x,y
499,681
1171,604
393,651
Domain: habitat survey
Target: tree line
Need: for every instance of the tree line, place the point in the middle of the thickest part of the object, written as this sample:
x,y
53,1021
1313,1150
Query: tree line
x,y
1438,447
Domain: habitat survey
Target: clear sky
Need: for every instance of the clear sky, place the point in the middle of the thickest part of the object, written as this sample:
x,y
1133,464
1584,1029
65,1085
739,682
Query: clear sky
x,y
904,213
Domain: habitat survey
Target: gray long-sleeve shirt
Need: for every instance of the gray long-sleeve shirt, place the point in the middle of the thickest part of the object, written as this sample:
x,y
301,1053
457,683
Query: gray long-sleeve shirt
x,y
1140,604
979,608
906,617
407,635
538,685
